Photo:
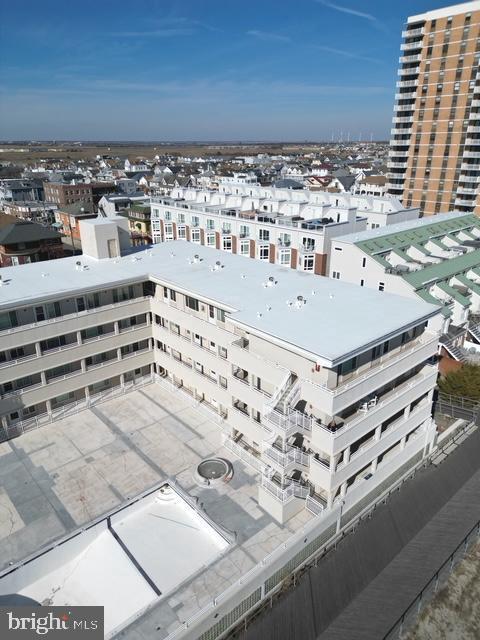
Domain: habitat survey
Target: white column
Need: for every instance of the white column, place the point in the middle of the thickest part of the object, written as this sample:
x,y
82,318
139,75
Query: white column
x,y
346,456
119,354
43,377
38,349
87,396
116,327
374,465
403,442
83,364
49,407
378,432
79,337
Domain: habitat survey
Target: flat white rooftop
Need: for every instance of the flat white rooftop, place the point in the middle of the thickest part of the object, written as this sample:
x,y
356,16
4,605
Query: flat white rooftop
x,y
330,319
123,563
444,12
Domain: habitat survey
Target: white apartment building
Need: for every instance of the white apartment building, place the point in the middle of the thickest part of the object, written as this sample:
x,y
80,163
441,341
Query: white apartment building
x,y
291,228
325,387
436,259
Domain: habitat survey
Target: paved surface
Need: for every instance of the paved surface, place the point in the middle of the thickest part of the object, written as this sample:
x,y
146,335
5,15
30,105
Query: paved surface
x,y
63,475
359,591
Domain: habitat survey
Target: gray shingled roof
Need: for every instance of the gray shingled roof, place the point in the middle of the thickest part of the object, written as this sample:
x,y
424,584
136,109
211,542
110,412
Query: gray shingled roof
x,y
25,231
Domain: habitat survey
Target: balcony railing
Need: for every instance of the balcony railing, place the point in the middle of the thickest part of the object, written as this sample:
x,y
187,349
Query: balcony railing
x,y
244,454
289,458
71,316
287,492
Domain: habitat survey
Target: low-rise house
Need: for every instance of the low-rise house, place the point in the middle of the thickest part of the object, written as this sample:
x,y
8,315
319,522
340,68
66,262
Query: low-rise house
x,y
68,218
68,193
21,190
22,241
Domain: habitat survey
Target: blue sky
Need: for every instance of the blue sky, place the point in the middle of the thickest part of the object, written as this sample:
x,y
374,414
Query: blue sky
x,y
199,69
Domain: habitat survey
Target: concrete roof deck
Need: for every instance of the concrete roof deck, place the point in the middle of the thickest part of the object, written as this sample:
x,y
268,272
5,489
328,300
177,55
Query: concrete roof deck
x,y
307,312
61,476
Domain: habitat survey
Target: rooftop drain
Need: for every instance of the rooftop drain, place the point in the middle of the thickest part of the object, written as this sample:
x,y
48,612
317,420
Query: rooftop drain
x,y
213,471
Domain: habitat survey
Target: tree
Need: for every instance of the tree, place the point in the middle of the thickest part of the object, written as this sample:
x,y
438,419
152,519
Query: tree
x,y
464,382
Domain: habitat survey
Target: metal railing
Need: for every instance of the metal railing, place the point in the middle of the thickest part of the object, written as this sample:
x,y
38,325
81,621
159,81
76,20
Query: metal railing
x,y
380,364
430,589
291,456
245,455
71,316
22,426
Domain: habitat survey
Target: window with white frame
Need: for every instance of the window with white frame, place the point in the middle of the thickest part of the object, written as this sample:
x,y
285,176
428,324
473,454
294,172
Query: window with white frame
x,y
169,231
195,221
244,231
245,248
195,235
336,275
181,218
181,233
227,243
264,252
264,234
308,244
168,215
226,227
210,239
210,224
308,263
284,257
284,239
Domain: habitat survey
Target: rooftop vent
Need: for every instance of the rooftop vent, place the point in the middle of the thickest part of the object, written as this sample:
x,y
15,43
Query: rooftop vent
x,y
300,301
217,266
271,282
196,259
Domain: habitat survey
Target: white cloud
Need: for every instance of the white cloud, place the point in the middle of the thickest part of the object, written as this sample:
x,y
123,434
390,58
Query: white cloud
x,y
268,36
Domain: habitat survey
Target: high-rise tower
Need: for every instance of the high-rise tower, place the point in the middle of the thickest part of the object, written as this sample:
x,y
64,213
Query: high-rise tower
x,y
434,160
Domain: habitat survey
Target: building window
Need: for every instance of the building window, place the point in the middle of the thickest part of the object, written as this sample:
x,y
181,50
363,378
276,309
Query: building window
x,y
195,221
308,263
210,224
168,215
362,283
245,248
244,231
264,252
181,233
195,235
181,218
227,243
381,286
264,234
336,275
210,239
364,262
191,303
285,257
